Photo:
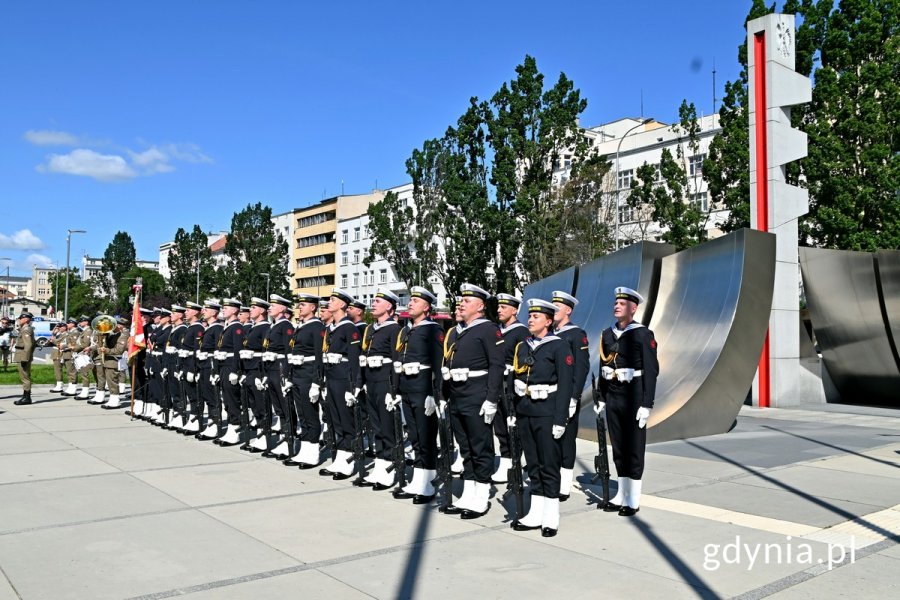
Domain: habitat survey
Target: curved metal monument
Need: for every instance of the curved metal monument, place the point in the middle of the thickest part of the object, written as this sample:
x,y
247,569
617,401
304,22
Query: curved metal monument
x,y
854,335
888,262
563,281
711,316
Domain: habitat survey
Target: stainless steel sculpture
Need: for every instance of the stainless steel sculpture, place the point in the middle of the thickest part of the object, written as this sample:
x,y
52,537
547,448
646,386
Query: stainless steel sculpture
x,y
563,281
852,324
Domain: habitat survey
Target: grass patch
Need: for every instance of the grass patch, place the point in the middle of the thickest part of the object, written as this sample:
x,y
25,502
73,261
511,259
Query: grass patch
x,y
39,374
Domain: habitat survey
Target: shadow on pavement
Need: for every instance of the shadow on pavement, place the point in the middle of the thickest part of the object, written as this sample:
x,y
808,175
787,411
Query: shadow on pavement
x,y
840,448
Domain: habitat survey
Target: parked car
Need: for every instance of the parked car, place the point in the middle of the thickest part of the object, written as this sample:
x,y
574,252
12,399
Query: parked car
x,y
42,331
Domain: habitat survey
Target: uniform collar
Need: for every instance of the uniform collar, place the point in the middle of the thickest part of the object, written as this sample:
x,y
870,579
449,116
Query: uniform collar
x,y
511,327
618,332
566,327
535,343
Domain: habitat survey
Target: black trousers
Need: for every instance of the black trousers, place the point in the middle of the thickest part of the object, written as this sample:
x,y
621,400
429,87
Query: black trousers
x,y
568,442
501,430
139,385
423,431
259,403
475,439
231,393
341,414
154,389
209,395
177,401
277,398
543,454
192,391
382,420
307,412
628,440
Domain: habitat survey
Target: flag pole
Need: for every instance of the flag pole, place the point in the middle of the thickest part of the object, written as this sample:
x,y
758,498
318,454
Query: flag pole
x,y
135,315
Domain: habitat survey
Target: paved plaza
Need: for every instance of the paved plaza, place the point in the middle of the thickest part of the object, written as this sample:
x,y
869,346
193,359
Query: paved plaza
x,y
798,503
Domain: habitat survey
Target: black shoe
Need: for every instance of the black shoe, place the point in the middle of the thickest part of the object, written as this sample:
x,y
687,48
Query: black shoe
x,y
304,466
610,507
290,462
341,476
517,525
361,482
23,400
326,473
547,532
380,487
450,510
422,499
627,511
401,495
472,514
563,497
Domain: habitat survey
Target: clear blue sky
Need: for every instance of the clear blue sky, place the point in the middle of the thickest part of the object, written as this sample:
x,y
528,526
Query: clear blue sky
x,y
147,116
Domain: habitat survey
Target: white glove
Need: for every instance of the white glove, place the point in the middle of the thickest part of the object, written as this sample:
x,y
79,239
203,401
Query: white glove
x,y
258,383
190,377
510,421
643,414
430,406
599,406
286,388
214,379
314,391
179,375
558,431
443,406
520,386
242,379
233,378
488,409
573,406
164,372
391,402
349,398
265,382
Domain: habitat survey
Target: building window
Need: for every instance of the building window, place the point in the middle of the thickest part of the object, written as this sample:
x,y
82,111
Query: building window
x,y
624,180
344,236
343,281
315,240
626,214
382,276
356,280
695,165
356,257
366,231
371,277
356,234
700,201
315,219
343,258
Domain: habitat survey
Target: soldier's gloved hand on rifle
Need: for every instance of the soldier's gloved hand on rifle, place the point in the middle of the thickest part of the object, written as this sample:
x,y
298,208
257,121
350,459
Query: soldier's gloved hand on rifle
x,y
430,406
488,410
443,406
599,406
190,377
286,387
163,373
214,378
558,431
179,375
314,392
233,378
391,402
349,398
242,379
643,414
573,406
520,387
510,421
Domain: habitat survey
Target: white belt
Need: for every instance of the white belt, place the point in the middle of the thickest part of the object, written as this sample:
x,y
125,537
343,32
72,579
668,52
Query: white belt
x,y
202,355
270,356
623,375
299,359
220,355
464,374
171,349
376,361
184,353
333,358
156,353
410,368
246,354
540,391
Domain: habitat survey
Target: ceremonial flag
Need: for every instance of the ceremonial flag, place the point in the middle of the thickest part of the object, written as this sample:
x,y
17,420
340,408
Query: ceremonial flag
x,y
136,341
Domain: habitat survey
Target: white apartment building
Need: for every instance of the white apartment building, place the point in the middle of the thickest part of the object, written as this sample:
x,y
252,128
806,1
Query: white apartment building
x,y
91,265
353,243
628,144
215,241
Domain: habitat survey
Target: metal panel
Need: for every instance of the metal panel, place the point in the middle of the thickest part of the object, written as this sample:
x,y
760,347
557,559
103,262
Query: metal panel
x,y
888,262
842,294
637,267
712,313
563,281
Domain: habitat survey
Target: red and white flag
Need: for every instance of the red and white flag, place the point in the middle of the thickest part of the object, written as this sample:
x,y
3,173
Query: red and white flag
x,y
136,342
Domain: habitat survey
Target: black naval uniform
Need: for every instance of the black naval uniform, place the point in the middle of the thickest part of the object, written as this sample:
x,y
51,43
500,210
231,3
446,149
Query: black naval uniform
x,y
209,391
251,362
174,363
139,385
546,361
578,345
635,349
379,351
193,339
421,345
306,353
478,347
157,344
513,334
277,345
228,347
341,361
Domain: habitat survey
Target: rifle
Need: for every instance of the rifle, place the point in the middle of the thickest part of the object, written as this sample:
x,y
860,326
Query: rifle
x,y
601,461
514,481
330,437
359,447
398,462
445,458
288,409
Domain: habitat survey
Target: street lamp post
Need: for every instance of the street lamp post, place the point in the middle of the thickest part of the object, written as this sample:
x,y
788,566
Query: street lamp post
x,y
56,293
68,255
267,284
619,147
198,276
6,291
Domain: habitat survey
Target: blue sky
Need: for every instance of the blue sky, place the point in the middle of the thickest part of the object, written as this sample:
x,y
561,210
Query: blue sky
x,y
148,116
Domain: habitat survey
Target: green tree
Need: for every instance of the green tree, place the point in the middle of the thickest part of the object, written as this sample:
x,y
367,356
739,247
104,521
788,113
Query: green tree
x,y
153,292
254,247
392,226
532,133
119,257
82,299
853,166
189,251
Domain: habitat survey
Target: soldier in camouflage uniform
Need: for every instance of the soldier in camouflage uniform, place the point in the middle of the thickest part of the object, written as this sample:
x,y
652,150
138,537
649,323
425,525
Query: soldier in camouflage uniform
x,y
24,354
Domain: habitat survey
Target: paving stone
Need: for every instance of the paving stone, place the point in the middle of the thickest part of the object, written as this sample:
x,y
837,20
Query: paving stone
x,y
50,465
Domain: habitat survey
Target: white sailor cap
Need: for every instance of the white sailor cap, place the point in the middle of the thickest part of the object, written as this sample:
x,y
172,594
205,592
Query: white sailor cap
x,y
177,308
469,289
193,306
341,294
388,295
259,302
629,294
307,298
425,294
542,306
323,303
567,299
212,303
276,299
232,302
509,300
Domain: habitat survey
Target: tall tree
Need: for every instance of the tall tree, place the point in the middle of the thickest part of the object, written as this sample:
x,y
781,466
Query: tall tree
x,y
154,292
254,247
82,299
190,255
853,166
530,133
119,257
